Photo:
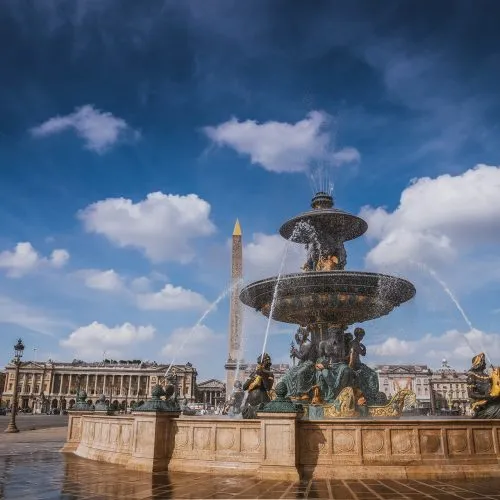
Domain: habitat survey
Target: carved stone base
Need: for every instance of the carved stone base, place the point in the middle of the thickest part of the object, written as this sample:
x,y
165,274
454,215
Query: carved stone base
x,y
279,446
346,406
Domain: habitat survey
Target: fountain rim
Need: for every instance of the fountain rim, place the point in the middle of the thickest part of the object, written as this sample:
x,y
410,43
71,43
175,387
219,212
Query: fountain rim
x,y
327,274
355,228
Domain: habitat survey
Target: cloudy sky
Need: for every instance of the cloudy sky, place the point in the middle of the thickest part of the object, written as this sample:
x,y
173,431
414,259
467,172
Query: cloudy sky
x,y
133,134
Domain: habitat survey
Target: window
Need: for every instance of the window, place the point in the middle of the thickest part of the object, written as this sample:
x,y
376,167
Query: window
x,y
10,387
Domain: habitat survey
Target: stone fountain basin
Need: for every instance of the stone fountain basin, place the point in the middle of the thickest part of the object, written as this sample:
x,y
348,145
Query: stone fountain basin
x,y
338,297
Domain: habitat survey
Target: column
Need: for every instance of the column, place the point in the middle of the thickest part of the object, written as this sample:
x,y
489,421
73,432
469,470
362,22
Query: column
x,y
129,385
70,383
121,385
138,385
95,384
104,383
87,383
52,382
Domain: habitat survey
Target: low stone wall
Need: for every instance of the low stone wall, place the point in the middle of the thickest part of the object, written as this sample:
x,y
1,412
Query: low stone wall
x,y
280,446
400,449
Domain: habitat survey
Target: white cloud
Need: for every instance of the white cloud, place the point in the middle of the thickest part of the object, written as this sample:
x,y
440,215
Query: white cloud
x,y
92,340
163,226
437,218
184,343
141,284
16,313
457,347
99,129
24,259
108,280
280,146
59,257
263,256
172,298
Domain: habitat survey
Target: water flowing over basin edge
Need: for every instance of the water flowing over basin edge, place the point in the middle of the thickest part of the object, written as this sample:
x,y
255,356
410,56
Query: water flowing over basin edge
x,y
388,291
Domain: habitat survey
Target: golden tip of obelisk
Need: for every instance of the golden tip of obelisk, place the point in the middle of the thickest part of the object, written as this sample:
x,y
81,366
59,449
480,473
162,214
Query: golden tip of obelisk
x,y
237,228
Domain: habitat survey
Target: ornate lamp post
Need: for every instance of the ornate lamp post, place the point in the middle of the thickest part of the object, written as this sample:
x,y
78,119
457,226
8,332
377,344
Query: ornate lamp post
x,y
18,354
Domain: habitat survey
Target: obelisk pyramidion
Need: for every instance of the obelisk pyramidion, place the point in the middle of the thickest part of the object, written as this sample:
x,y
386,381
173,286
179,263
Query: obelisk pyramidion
x,y
235,313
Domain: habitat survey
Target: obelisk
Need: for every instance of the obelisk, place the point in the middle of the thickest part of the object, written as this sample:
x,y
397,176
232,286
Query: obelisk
x,y
235,314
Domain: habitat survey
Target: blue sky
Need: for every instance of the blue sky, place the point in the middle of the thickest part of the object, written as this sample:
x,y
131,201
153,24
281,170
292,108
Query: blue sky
x,y
132,135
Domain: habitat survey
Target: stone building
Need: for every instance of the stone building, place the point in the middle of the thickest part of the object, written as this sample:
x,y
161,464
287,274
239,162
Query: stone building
x,y
448,388
438,391
211,392
393,378
2,385
46,385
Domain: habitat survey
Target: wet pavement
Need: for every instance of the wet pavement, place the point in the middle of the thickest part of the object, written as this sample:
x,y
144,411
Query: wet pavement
x,y
31,422
31,467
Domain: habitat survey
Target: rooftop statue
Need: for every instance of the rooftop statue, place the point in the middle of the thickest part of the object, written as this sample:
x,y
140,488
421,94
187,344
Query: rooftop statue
x,y
483,389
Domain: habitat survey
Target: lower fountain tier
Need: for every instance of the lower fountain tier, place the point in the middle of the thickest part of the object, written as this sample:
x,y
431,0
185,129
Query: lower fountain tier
x,y
337,297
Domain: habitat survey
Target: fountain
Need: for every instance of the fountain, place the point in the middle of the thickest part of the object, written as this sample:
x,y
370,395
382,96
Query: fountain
x,y
325,299
326,417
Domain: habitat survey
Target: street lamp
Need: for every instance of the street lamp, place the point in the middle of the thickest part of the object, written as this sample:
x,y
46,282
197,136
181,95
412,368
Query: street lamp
x,y
18,354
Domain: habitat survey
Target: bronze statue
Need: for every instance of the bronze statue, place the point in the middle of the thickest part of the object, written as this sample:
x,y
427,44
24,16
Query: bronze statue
x,y
299,379
258,386
357,349
483,389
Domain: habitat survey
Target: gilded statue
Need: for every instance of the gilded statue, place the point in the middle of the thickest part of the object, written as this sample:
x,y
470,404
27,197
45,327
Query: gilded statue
x,y
483,389
258,386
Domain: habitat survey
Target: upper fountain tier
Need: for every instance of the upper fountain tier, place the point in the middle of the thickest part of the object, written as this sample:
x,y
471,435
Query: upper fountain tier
x,y
325,292
324,220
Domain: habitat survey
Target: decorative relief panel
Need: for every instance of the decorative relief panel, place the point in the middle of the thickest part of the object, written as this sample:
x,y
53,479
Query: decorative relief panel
x,y
457,441
182,437
430,442
125,434
403,442
373,442
250,440
314,442
344,442
114,433
226,438
105,428
76,429
202,437
483,441
145,436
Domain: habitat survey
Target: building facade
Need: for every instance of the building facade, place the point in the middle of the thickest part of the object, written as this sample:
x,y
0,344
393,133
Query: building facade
x,y
53,385
211,393
448,388
437,391
393,378
3,376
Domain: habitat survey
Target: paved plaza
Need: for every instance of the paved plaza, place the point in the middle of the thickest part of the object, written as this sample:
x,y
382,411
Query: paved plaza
x,y
31,467
32,422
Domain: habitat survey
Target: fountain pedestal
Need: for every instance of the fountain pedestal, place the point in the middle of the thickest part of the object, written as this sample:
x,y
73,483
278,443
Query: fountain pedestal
x,y
281,443
153,440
